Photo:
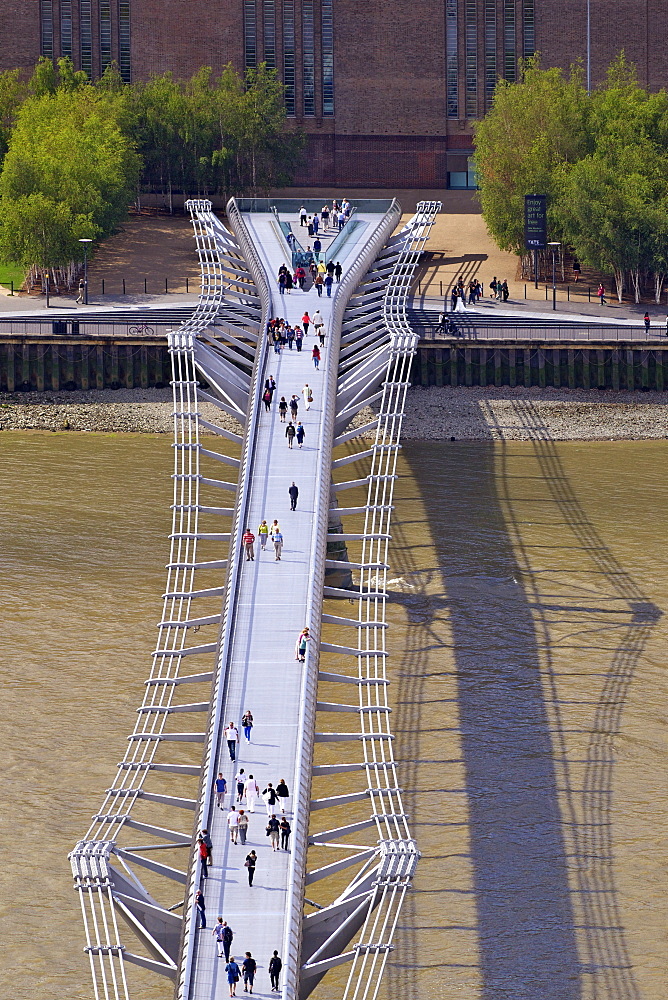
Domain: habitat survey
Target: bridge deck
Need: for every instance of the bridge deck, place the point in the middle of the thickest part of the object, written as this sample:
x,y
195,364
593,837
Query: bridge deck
x,y
270,611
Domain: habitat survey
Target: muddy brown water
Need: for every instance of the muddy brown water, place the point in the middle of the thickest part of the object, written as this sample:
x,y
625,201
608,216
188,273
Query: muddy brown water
x,y
528,655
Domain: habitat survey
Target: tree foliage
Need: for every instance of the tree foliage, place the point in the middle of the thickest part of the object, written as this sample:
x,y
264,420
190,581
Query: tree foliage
x,y
75,154
602,159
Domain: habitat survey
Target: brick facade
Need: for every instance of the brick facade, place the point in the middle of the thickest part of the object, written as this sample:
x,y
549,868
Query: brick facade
x,y
406,78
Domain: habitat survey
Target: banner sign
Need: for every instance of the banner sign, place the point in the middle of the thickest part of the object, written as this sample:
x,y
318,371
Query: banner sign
x,y
535,221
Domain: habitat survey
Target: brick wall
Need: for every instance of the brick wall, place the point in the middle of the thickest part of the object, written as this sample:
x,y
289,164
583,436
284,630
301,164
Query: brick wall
x,y
19,34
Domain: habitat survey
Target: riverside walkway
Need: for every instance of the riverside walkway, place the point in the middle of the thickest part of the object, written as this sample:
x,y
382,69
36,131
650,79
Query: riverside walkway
x,y
250,614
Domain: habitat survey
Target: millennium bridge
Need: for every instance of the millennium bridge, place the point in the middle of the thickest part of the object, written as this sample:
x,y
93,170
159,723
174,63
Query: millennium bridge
x,y
229,626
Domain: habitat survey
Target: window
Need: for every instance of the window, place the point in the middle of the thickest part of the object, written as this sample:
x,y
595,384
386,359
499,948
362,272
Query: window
x,y
86,36
105,34
463,180
289,55
490,51
46,27
270,33
250,34
509,52
451,60
471,59
327,57
124,40
529,17
308,57
66,28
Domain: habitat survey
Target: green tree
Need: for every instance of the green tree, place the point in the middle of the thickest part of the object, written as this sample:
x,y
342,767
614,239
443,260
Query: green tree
x,y
66,151
533,128
611,202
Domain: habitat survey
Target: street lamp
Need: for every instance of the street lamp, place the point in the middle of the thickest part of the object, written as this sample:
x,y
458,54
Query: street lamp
x,y
85,249
554,247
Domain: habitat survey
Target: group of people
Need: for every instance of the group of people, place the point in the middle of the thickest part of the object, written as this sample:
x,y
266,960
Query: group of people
x,y
338,216
282,334
323,275
246,791
499,289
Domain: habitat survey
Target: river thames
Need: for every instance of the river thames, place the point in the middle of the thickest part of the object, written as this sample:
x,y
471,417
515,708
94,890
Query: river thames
x,y
528,657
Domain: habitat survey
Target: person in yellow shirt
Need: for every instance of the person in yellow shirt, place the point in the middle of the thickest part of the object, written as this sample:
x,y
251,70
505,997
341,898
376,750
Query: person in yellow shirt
x,y
263,532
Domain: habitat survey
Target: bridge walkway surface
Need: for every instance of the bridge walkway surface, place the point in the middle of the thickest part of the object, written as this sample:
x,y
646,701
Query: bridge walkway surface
x,y
271,608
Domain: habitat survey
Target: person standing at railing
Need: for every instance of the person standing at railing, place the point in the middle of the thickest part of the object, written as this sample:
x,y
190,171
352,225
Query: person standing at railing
x,y
200,906
300,646
646,321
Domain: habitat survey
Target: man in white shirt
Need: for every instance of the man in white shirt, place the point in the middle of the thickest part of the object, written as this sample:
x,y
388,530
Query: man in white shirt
x,y
251,790
233,824
232,737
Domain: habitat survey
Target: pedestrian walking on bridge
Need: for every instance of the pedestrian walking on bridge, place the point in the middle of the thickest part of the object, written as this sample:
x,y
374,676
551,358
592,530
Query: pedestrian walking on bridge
x,y
248,540
293,493
233,975
221,788
278,544
252,790
249,967
286,830
243,826
275,966
247,723
300,434
315,354
283,793
250,863
263,531
308,396
232,737
233,824
290,432
294,406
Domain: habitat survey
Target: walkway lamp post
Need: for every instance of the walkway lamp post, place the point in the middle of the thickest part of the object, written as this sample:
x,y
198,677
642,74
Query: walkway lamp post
x,y
554,247
85,249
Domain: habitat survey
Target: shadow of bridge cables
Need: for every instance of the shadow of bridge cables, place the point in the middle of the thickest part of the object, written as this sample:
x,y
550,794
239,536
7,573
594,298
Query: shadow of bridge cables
x,y
523,914
607,964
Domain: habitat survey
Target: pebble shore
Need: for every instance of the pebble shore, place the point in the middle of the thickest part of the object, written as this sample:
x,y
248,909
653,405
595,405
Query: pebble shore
x,y
436,413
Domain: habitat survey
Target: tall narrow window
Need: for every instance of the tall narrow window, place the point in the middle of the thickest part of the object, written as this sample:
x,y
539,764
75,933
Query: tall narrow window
x,y
46,28
529,17
270,33
86,36
289,55
308,56
471,58
250,34
509,50
124,40
490,52
105,34
327,57
66,28
451,59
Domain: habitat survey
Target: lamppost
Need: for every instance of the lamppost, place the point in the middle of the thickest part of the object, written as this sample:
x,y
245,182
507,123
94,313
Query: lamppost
x,y
588,46
554,247
85,249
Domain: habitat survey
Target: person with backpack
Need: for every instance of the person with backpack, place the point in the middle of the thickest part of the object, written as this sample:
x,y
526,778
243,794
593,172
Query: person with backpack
x,y
233,973
275,966
300,434
294,406
290,434
204,855
270,799
273,832
249,967
218,932
227,936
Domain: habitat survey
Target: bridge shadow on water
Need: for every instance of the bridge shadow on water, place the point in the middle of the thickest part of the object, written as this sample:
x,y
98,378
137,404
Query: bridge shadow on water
x,y
528,828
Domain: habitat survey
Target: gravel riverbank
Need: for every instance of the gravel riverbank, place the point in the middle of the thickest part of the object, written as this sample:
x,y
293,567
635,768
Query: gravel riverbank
x,y
435,413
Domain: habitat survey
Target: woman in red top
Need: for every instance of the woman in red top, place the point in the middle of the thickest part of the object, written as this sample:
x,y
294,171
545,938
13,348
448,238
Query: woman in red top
x,y
306,319
204,855
315,354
